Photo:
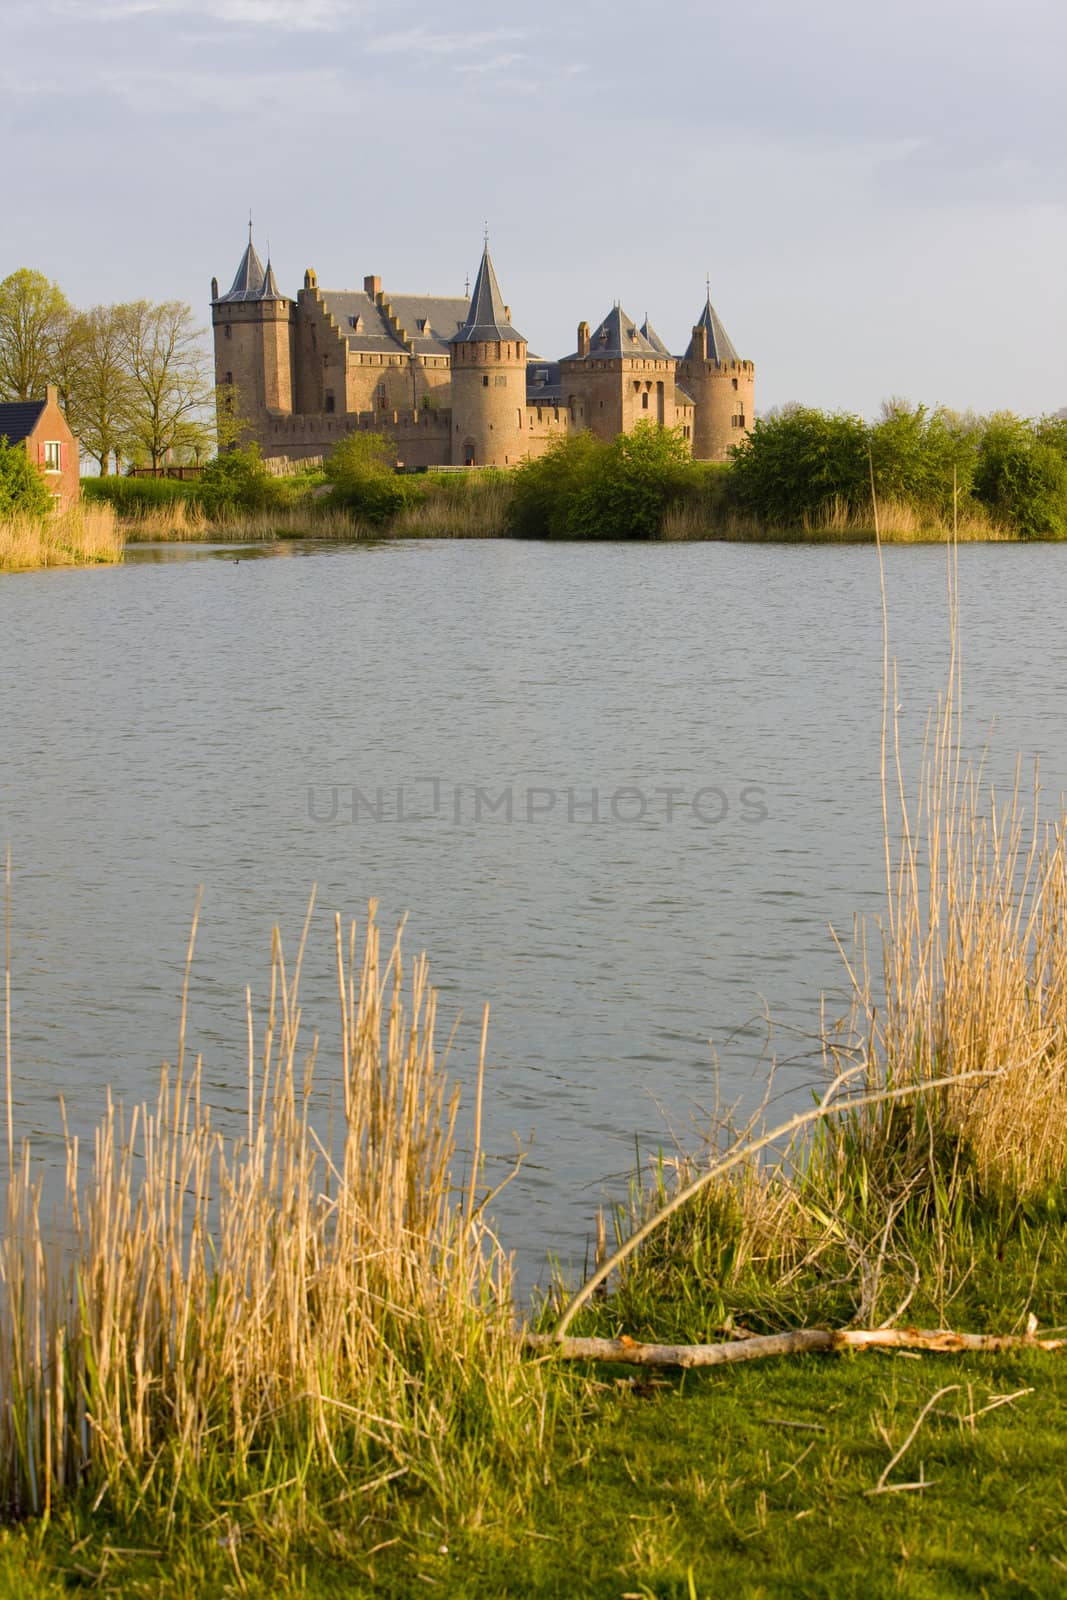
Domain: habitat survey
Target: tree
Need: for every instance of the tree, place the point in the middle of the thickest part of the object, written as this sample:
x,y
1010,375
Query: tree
x,y
798,463
1022,478
34,316
100,392
918,454
631,485
543,489
168,368
22,489
237,481
360,472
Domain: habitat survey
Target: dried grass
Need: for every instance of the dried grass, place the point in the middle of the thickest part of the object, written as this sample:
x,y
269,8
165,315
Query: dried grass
x,y
82,536
270,1296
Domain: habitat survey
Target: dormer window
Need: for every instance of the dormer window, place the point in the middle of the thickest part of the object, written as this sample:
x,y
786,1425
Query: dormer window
x,y
356,324
421,324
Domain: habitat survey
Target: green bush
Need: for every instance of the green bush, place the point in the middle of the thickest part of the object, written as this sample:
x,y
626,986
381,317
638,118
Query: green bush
x,y
1021,476
800,462
238,481
631,485
543,490
915,453
22,489
132,495
362,479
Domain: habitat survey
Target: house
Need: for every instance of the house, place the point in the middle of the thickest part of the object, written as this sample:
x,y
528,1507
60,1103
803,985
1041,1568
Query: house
x,y
42,427
450,380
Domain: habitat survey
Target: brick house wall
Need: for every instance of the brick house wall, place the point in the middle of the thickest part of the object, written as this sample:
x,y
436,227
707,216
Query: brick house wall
x,y
42,427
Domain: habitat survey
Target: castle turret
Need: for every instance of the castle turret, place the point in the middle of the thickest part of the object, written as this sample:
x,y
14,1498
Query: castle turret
x,y
617,378
252,325
488,380
722,386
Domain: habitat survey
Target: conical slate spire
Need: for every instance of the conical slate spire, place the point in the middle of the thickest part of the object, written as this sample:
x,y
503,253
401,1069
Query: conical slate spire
x,y
248,283
270,290
648,332
487,318
618,335
720,348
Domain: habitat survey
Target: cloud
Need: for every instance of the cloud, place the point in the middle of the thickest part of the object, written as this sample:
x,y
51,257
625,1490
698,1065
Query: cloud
x,y
307,16
419,41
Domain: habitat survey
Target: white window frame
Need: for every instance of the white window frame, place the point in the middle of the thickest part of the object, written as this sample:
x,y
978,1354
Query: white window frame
x,y
53,455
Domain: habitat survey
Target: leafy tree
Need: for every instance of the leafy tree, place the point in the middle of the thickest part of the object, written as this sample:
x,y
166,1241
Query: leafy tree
x,y
1022,477
168,369
22,488
544,489
631,484
915,452
236,481
34,317
361,477
799,462
100,393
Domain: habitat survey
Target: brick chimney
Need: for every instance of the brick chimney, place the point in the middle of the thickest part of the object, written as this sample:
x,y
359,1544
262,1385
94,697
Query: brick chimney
x,y
583,338
700,342
372,286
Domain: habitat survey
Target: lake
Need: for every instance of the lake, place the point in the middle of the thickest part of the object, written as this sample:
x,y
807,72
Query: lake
x,y
427,723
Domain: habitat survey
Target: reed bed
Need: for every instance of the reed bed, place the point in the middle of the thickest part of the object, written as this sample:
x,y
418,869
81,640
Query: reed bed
x,y
707,518
934,1163
273,1322
182,521
460,509
85,535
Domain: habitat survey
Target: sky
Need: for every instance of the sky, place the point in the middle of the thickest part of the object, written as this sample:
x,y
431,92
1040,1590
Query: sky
x,y
876,191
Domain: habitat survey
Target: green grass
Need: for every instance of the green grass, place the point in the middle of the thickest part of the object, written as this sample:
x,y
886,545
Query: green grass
x,y
750,1482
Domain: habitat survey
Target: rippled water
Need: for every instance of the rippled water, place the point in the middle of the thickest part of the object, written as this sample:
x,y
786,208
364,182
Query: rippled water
x,y
190,718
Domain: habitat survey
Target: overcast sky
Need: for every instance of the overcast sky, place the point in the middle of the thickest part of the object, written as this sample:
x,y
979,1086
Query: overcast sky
x,y
877,190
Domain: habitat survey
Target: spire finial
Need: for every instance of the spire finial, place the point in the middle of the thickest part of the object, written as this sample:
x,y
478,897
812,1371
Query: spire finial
x,y
467,286
707,284
485,235
250,224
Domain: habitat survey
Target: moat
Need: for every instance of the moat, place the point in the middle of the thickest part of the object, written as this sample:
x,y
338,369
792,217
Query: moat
x,y
621,791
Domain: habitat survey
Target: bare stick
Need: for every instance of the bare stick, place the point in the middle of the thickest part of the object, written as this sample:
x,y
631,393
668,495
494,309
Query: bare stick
x,y
628,1352
476,1153
883,1486
745,1152
7,1016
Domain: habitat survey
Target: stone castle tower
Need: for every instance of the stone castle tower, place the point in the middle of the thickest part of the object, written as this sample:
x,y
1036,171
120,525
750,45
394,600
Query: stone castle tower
x,y
488,380
253,329
722,387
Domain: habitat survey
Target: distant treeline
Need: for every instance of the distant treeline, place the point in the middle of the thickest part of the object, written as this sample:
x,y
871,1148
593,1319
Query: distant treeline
x,y
801,473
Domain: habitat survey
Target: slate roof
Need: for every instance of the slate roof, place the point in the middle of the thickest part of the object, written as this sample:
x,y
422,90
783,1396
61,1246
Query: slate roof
x,y
249,279
270,290
649,332
720,347
544,382
618,335
487,318
440,316
18,418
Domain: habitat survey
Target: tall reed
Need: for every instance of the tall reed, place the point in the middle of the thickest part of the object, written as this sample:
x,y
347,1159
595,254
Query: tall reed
x,y
225,1316
80,536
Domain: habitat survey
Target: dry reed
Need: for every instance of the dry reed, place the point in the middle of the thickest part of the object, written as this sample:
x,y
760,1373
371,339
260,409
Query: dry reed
x,y
270,1297
82,536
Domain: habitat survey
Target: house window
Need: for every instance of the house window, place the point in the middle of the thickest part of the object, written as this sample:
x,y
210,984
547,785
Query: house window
x,y
53,456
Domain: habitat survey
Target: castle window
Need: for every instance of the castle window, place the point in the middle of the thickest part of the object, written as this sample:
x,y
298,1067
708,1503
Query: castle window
x,y
228,378
520,419
485,381
735,383
328,402
228,330
356,323
644,401
637,386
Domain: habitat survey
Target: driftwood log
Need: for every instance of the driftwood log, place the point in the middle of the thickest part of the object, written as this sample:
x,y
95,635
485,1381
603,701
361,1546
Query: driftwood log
x,y
758,1347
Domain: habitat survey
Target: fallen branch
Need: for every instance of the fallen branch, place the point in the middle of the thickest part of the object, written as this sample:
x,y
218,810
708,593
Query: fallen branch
x,y
629,1352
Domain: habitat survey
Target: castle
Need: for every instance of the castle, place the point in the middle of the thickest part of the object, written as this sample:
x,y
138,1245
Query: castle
x,y
450,381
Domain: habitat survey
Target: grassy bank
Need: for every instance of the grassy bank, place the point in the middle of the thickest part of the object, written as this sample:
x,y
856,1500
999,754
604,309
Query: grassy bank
x,y
83,536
